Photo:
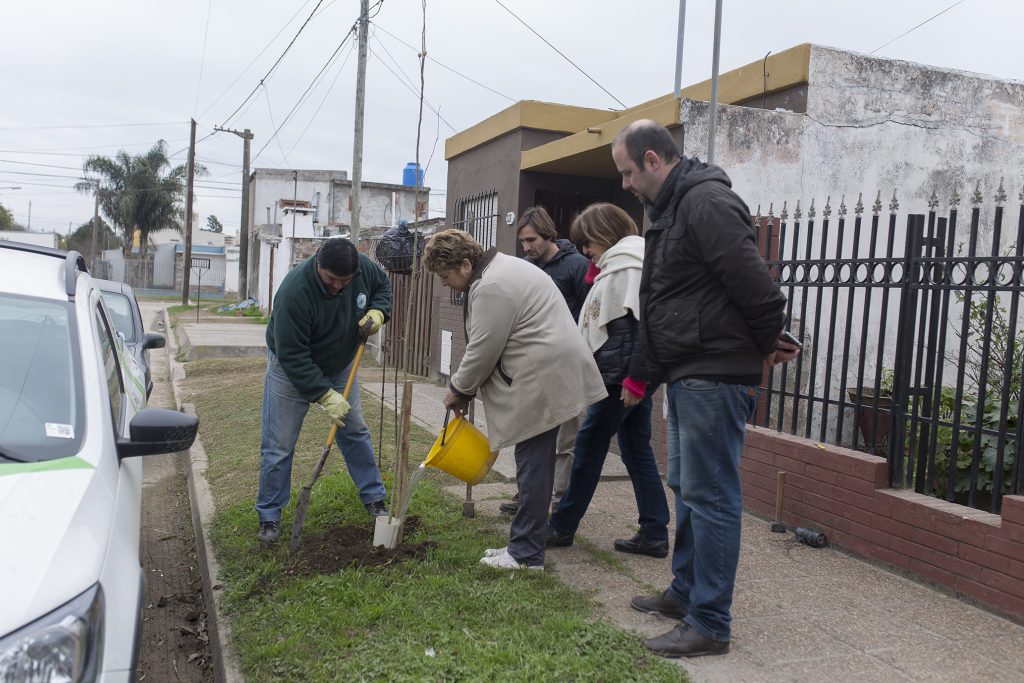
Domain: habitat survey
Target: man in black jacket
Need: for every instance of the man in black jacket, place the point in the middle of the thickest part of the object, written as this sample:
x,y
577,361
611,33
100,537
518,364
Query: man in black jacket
x,y
710,319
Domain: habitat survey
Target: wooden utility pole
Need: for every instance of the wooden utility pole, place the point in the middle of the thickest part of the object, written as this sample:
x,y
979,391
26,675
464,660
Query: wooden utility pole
x,y
186,265
95,231
243,229
357,150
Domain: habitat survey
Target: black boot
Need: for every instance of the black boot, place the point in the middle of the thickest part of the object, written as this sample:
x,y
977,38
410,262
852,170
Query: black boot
x,y
641,545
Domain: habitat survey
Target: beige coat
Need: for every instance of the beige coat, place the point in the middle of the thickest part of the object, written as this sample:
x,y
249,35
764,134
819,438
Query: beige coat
x,y
524,353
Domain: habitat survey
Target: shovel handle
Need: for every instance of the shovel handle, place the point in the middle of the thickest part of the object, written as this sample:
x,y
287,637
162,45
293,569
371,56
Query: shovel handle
x,y
348,387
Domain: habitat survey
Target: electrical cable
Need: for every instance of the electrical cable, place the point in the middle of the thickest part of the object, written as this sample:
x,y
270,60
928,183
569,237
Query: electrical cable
x,y
916,27
266,94
351,49
93,125
276,63
260,54
563,54
202,59
445,66
412,90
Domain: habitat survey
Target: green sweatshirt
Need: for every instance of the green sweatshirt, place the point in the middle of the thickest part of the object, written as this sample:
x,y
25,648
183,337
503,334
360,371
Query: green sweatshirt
x,y
315,334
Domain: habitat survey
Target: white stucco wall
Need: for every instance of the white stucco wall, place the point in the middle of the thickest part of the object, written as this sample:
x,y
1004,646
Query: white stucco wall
x,y
282,263
163,265
872,126
39,239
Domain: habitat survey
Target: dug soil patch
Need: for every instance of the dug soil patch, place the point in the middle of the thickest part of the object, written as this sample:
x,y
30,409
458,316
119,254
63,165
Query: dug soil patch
x,y
346,546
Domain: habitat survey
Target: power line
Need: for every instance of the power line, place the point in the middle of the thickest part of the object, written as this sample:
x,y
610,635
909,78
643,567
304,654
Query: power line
x,y
563,54
271,71
413,91
916,27
270,112
202,59
260,54
445,66
93,125
326,95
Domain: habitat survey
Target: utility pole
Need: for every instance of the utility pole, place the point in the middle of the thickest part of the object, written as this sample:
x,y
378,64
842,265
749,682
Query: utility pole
x,y
243,230
357,151
29,226
679,47
95,230
713,123
186,265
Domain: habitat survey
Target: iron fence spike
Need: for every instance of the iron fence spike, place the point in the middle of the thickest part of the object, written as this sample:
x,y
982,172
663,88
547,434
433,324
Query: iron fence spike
x,y
976,197
933,200
876,208
785,211
842,207
1021,196
827,211
796,211
894,204
771,210
954,201
858,208
1000,193
811,213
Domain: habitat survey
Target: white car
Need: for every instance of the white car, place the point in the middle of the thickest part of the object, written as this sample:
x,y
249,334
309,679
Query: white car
x,y
72,418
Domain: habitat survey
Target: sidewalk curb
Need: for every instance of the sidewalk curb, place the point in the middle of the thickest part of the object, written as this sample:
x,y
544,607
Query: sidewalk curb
x,y
226,667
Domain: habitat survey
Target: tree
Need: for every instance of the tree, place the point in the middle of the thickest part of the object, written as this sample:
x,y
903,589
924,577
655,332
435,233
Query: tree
x,y
138,192
7,221
213,224
81,239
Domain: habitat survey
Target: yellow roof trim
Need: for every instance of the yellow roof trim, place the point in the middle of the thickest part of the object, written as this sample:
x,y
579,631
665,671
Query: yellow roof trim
x,y
526,114
786,69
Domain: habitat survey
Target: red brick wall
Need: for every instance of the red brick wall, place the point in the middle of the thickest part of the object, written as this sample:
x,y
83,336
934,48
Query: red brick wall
x,y
845,493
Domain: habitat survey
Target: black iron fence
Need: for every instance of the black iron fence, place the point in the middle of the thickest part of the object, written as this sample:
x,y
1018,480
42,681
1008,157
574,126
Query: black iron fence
x,y
913,341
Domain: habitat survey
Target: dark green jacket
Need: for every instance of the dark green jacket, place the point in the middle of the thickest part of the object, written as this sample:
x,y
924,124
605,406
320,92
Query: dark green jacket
x,y
315,334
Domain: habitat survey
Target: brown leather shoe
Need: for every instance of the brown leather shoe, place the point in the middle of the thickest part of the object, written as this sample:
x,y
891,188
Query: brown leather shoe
x,y
662,605
639,544
685,641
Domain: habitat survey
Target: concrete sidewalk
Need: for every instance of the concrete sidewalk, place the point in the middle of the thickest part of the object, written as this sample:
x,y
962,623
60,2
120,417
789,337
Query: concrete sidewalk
x,y
800,614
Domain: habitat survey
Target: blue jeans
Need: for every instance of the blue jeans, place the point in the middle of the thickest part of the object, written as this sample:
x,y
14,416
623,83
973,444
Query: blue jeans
x,y
706,427
606,418
283,412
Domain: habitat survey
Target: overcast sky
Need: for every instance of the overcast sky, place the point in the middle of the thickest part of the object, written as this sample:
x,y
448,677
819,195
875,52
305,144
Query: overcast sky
x,y
81,77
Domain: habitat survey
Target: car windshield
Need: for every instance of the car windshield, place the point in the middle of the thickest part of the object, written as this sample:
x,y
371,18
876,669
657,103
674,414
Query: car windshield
x,y
121,312
40,398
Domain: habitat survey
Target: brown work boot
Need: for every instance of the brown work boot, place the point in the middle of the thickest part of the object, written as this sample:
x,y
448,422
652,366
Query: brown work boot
x,y
663,605
685,641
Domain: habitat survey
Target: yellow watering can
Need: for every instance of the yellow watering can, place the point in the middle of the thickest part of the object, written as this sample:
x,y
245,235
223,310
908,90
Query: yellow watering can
x,y
462,451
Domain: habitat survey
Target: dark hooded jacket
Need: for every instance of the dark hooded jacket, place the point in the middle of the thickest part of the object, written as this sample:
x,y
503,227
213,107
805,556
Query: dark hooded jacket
x,y
709,307
568,268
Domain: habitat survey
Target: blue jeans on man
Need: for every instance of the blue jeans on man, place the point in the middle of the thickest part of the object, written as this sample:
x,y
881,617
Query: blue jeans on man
x,y
706,428
632,426
283,412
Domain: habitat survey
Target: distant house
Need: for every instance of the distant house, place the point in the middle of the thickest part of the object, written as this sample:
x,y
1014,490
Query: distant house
x,y
39,239
293,211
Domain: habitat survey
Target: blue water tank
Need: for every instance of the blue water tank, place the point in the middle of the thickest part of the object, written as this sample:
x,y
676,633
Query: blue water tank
x,y
409,174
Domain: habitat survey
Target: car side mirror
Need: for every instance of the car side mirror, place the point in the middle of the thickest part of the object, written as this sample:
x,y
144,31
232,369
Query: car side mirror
x,y
153,341
158,430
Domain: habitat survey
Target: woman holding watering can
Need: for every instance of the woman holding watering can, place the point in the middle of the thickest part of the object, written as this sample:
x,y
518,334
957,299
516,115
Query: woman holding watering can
x,y
530,367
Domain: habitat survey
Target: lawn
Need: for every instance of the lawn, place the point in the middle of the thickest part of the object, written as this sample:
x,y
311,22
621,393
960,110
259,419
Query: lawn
x,y
435,616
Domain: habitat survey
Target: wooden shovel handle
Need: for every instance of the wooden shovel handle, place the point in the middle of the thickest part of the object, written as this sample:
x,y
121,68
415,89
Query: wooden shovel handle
x,y
348,387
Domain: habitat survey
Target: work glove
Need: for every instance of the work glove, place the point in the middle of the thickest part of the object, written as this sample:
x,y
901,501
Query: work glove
x,y
335,405
371,322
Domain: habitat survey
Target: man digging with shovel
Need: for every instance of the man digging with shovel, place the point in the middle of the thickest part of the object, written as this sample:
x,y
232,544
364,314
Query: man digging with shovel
x,y
323,307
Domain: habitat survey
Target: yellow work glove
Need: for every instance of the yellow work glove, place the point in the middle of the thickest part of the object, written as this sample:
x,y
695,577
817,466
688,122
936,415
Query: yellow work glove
x,y
335,405
371,322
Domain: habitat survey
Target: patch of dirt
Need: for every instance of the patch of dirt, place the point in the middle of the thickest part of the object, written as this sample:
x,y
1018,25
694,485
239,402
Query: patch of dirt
x,y
335,549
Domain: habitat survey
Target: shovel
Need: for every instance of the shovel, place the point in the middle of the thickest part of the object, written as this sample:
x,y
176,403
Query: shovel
x,y
303,504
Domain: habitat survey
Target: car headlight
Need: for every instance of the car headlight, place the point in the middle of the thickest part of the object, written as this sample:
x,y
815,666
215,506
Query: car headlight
x,y
65,646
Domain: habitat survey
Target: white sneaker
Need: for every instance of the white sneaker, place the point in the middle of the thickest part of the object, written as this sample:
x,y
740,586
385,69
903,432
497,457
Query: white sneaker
x,y
494,552
506,561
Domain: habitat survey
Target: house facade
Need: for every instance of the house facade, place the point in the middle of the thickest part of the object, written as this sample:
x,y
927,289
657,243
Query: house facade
x,y
293,211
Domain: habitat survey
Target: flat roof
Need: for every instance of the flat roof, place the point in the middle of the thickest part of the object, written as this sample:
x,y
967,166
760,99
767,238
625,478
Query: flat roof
x,y
590,131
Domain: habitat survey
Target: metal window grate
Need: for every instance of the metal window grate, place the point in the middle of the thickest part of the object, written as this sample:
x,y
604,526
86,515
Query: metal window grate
x,y
478,215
